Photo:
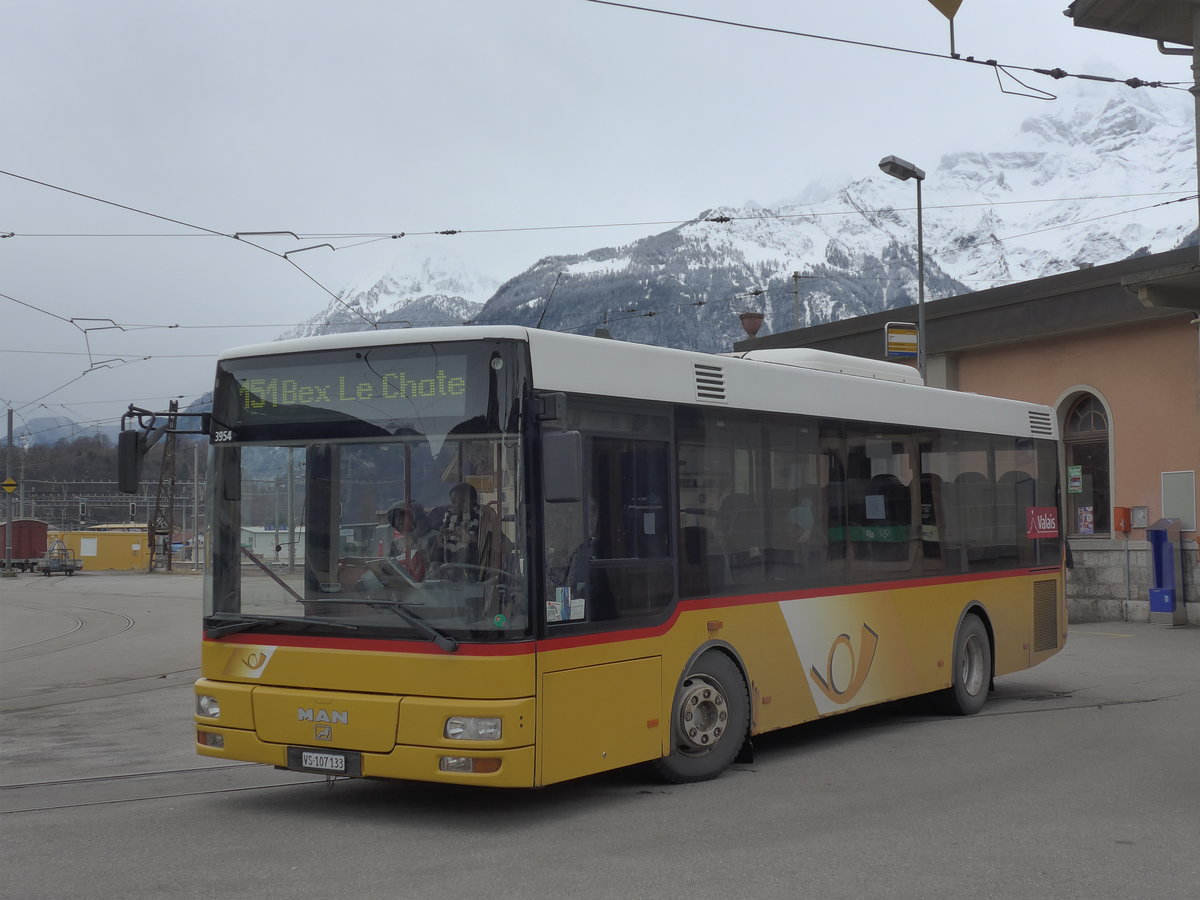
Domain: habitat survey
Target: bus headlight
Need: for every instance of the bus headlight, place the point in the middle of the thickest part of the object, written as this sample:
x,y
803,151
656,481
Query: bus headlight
x,y
208,706
473,728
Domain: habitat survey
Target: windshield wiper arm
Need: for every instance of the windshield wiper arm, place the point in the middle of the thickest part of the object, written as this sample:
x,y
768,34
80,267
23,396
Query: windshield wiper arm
x,y
262,565
247,624
439,637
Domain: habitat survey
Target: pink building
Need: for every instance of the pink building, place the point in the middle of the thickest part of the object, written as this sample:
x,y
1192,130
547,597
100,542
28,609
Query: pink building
x,y
1115,350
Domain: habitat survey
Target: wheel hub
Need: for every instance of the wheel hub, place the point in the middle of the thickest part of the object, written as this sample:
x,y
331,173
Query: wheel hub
x,y
703,713
972,666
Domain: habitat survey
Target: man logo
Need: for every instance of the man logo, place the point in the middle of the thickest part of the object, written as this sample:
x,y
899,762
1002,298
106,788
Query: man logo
x,y
858,677
323,732
316,716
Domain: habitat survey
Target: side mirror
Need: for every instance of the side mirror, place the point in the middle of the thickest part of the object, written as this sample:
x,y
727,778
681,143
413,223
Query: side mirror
x,y
562,466
131,448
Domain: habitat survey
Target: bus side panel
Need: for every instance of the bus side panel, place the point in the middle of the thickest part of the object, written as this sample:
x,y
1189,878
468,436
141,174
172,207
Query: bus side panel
x,y
1049,617
598,717
1009,603
874,646
857,649
1009,606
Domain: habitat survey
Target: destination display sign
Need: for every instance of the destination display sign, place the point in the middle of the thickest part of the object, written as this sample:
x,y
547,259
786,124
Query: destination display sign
x,y
358,392
436,387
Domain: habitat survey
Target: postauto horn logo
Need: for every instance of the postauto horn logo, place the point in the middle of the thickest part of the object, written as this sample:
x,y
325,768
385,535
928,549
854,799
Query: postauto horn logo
x,y
859,668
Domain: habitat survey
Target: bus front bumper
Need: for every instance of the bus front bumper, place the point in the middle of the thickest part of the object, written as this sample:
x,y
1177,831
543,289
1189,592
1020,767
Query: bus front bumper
x,y
512,767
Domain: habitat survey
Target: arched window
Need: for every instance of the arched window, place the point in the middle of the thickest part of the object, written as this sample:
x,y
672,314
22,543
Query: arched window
x,y
1088,484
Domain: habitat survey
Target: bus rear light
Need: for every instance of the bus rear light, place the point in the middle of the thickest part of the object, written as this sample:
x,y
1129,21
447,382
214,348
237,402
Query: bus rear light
x,y
473,728
209,739
469,764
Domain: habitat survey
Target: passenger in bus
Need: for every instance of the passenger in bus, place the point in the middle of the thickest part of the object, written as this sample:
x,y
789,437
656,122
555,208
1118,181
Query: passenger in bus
x,y
413,538
459,533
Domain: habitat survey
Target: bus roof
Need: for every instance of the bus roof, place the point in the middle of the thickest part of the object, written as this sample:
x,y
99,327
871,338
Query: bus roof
x,y
799,381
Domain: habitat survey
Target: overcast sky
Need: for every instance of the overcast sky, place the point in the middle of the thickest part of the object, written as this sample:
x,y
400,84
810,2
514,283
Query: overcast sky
x,y
361,117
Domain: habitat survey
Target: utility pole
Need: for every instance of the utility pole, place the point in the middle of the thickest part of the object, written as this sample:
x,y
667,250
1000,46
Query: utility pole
x,y
160,525
9,571
196,505
796,295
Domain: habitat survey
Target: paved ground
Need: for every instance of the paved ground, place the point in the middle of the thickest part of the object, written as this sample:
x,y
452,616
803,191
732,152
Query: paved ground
x,y
1079,779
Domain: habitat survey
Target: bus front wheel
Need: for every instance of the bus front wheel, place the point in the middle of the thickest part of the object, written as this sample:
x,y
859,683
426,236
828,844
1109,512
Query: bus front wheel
x,y
972,671
709,720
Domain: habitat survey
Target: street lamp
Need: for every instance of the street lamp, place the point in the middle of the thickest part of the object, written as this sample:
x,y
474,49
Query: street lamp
x,y
904,170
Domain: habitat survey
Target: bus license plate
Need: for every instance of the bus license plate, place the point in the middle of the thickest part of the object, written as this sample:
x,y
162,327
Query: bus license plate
x,y
330,762
326,762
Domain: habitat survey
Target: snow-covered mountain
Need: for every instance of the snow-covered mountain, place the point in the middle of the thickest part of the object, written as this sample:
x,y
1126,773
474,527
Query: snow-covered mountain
x,y
1089,183
417,286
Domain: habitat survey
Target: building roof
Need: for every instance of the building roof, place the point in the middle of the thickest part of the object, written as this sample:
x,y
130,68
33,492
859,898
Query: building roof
x,y
1159,20
1156,286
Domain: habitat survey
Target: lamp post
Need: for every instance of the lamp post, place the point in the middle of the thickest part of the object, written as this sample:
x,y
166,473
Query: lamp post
x,y
904,170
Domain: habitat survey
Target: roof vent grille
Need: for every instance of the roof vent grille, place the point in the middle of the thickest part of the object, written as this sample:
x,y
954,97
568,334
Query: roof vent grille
x,y
1040,423
710,383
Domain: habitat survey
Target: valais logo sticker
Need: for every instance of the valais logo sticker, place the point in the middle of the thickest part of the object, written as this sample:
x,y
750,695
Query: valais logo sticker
x,y
1041,522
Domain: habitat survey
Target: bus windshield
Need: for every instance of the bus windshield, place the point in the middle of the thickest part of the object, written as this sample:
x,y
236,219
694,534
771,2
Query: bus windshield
x,y
375,512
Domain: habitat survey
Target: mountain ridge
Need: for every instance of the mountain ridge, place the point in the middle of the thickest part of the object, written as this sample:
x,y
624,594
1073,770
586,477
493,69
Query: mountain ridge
x,y
853,250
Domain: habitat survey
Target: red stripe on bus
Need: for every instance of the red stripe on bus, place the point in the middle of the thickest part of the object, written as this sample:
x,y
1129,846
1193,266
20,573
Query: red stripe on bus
x,y
706,603
518,648
523,647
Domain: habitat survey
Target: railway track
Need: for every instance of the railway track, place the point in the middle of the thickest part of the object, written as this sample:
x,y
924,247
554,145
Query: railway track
x,y
84,629
140,787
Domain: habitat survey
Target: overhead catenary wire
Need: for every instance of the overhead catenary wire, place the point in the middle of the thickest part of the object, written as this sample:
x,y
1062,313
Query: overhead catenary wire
x,y
368,237
739,296
1056,73
209,231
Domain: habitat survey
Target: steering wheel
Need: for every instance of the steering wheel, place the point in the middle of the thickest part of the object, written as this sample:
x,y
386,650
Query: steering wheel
x,y
389,569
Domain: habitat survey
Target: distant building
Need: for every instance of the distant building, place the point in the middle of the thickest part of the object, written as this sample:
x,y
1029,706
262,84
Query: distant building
x,y
116,548
1115,350
273,546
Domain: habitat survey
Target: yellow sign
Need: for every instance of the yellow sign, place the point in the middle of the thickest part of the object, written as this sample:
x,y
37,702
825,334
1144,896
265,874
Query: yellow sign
x,y
947,7
901,340
9,485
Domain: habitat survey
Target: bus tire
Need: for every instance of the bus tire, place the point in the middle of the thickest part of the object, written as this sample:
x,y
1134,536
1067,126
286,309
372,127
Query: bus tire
x,y
709,720
972,671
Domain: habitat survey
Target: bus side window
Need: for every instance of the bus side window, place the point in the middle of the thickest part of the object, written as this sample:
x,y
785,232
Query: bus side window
x,y
632,574
608,556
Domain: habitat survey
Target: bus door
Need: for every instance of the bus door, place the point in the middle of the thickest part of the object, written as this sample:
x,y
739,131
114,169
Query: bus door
x,y
609,567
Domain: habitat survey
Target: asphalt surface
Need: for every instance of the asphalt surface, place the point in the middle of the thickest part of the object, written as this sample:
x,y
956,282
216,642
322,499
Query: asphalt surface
x,y
1080,778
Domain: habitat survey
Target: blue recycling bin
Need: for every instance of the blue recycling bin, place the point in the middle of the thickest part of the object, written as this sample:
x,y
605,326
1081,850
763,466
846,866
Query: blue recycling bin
x,y
1166,573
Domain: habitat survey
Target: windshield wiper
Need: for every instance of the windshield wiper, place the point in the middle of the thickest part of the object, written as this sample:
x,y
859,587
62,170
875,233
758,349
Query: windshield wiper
x,y
374,585
262,565
439,637
247,624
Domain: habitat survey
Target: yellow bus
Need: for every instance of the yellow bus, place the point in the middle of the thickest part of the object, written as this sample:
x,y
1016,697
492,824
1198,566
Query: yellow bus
x,y
532,556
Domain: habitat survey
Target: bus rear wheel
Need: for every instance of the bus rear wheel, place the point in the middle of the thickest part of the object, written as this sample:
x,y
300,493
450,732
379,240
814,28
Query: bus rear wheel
x,y
709,720
972,671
